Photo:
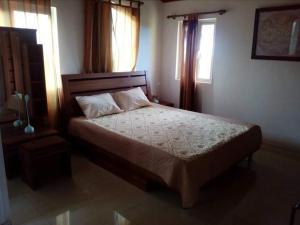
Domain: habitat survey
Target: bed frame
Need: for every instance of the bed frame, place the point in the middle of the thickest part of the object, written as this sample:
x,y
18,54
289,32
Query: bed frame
x,y
96,83
89,84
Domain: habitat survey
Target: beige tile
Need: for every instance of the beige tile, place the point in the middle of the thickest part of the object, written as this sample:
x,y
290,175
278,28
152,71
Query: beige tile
x,y
262,195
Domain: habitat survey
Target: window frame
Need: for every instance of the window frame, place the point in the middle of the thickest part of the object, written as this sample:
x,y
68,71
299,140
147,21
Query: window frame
x,y
202,21
208,21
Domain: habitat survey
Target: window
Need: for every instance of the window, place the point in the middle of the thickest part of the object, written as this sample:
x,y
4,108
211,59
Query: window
x,y
205,53
46,27
42,17
125,37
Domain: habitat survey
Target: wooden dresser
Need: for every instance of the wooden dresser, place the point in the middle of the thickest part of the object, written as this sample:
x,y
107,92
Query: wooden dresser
x,y
22,71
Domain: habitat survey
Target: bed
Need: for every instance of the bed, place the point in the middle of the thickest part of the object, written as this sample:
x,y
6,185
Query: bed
x,y
157,144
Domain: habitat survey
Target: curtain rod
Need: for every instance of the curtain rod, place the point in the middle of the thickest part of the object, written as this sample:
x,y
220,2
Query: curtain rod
x,y
119,2
221,12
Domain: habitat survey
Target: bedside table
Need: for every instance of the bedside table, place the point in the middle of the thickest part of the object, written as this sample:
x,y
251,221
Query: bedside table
x,y
12,138
43,158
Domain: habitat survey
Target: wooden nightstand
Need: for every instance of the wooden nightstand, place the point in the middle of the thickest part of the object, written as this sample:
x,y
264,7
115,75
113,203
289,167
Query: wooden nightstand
x,y
12,138
43,158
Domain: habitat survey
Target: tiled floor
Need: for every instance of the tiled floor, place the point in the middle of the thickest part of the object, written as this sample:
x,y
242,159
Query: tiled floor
x,y
260,196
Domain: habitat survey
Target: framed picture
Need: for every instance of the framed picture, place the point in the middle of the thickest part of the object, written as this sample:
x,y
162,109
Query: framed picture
x,y
277,33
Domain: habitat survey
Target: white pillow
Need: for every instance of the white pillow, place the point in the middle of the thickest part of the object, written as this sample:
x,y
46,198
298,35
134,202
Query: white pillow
x,y
131,99
97,105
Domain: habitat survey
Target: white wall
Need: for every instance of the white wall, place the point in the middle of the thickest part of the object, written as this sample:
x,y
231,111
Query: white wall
x,y
70,23
149,57
258,91
4,204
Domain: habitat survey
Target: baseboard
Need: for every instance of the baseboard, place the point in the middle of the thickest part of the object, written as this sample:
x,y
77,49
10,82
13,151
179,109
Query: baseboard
x,y
281,149
280,145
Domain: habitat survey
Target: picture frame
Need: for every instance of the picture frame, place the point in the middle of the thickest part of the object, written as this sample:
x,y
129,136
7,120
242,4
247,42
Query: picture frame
x,y
277,33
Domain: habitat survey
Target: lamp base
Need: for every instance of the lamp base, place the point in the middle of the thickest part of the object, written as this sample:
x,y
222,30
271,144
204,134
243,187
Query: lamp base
x,y
29,129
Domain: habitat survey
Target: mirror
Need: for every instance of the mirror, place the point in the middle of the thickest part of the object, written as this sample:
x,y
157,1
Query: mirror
x,y
22,71
2,99
6,115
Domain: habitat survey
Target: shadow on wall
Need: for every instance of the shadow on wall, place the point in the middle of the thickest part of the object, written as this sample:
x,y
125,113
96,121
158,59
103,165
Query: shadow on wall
x,y
204,98
144,54
147,56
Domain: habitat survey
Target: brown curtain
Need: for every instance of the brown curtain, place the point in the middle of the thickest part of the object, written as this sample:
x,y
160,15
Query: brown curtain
x,y
190,42
111,36
98,30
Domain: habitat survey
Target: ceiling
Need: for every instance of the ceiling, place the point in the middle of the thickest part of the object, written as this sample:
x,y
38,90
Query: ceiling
x,y
164,1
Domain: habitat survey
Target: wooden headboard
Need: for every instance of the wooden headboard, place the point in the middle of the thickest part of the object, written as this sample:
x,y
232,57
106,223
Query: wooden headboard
x,y
95,83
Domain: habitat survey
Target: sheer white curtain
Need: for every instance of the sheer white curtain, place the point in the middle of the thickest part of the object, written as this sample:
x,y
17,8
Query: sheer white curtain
x,y
4,203
125,37
111,35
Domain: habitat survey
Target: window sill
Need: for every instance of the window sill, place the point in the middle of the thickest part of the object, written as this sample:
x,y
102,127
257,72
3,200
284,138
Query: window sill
x,y
199,81
204,81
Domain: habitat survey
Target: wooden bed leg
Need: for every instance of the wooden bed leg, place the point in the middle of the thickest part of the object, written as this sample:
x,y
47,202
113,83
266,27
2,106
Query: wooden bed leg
x,y
249,160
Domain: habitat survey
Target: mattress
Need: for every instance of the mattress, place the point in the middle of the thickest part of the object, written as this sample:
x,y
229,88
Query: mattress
x,y
185,149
